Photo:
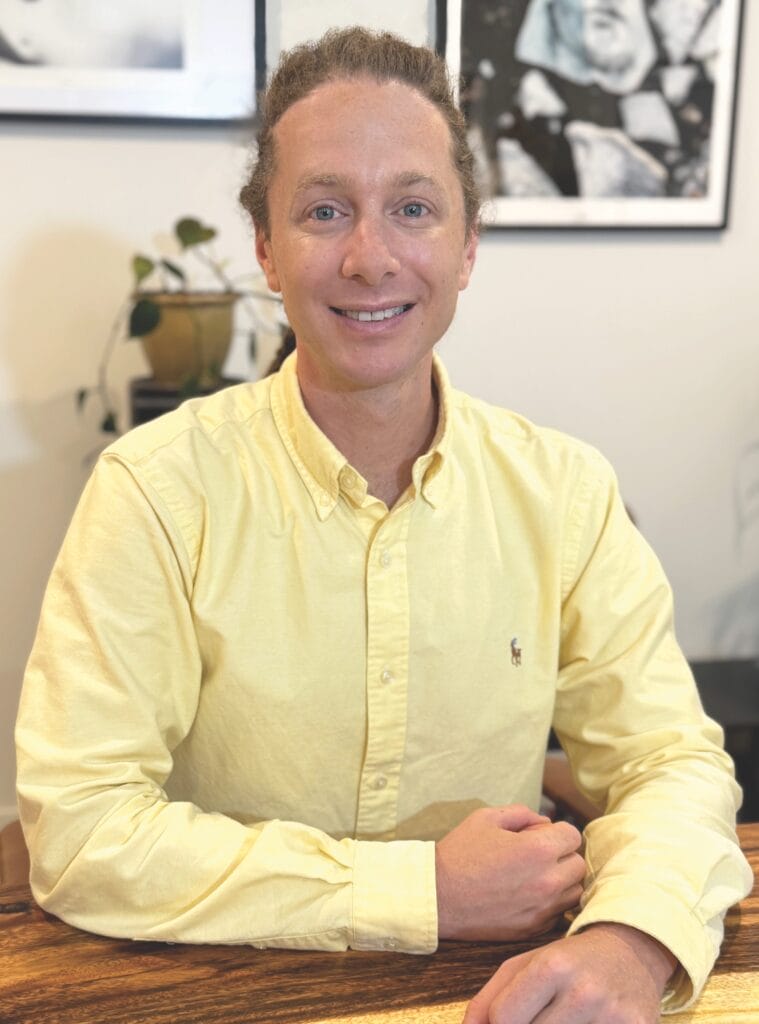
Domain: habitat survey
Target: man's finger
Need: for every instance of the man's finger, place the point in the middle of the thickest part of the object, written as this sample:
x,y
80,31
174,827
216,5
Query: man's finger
x,y
573,869
516,817
477,1012
524,996
562,838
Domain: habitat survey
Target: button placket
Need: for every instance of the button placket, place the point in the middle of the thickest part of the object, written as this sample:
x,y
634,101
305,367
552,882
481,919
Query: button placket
x,y
387,663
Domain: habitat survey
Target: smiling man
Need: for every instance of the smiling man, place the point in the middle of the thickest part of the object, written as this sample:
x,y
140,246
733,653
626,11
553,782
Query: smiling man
x,y
283,706
368,242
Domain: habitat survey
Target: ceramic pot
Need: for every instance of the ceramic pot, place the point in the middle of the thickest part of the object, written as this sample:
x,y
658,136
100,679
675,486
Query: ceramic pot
x,y
192,338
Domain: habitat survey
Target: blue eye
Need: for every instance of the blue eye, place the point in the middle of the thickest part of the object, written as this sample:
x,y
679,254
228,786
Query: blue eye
x,y
324,213
414,209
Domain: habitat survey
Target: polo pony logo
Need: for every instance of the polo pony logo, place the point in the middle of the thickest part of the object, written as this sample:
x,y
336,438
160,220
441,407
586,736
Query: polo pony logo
x,y
516,652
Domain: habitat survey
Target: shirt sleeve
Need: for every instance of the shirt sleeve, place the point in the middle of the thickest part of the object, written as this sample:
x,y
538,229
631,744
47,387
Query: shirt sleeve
x,y
664,857
111,688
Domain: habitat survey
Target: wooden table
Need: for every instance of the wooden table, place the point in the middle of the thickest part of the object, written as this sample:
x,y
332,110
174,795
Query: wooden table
x,y
55,974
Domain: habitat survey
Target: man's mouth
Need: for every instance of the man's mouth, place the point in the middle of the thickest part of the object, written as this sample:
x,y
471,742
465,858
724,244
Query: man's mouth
x,y
366,315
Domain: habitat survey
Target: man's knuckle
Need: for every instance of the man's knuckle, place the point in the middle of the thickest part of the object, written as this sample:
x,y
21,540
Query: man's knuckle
x,y
589,994
569,832
556,963
543,848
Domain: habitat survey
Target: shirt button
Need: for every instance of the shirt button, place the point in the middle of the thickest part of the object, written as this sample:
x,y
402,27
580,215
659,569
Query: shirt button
x,y
390,943
380,782
387,676
324,499
348,478
385,559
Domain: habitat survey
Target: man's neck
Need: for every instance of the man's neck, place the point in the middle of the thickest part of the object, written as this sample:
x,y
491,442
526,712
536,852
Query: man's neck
x,y
381,431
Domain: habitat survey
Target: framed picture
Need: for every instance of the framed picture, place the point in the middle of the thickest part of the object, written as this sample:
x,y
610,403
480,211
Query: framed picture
x,y
613,114
176,60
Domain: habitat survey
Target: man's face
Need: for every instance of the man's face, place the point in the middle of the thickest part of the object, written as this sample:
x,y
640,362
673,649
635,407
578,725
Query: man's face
x,y
367,240
605,33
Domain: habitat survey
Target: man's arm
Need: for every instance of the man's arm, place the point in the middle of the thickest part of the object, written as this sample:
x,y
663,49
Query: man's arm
x,y
664,857
111,689
663,861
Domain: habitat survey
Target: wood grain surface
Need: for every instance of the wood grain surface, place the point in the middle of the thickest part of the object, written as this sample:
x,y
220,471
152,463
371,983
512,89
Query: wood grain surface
x,y
56,974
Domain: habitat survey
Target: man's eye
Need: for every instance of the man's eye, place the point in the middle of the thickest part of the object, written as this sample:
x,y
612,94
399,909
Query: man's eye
x,y
415,209
324,213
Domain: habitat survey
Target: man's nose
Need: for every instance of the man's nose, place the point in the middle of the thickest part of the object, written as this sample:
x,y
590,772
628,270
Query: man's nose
x,y
369,252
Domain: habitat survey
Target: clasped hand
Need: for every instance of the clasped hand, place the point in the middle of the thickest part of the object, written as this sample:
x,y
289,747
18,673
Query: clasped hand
x,y
506,874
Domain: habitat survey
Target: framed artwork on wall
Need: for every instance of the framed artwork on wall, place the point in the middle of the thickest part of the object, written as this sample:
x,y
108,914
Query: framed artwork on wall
x,y
172,60
613,114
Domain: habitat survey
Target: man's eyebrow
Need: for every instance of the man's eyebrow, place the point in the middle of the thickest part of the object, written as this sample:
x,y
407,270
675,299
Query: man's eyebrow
x,y
409,179
406,179
321,180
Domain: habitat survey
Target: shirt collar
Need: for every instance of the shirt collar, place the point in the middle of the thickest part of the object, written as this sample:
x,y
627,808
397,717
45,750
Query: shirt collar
x,y
323,469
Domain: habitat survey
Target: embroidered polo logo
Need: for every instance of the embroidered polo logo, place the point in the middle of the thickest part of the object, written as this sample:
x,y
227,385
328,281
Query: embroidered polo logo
x,y
516,652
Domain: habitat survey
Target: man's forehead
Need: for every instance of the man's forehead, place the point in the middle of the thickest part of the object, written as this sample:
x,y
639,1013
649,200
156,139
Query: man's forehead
x,y
346,103
410,138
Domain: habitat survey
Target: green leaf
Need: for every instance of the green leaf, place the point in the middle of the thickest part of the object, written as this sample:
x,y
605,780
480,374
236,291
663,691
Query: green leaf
x,y
174,269
191,232
144,317
81,398
109,425
142,266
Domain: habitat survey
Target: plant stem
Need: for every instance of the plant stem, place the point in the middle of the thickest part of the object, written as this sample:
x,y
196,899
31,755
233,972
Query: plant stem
x,y
215,268
116,328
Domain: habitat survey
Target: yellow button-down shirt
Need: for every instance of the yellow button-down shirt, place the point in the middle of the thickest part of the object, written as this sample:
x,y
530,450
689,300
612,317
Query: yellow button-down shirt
x,y
257,696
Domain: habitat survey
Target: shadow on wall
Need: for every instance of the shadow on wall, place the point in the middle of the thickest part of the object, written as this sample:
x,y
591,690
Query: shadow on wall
x,y
62,293
736,614
736,622
57,302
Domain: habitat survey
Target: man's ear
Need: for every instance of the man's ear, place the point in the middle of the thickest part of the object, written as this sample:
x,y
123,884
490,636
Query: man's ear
x,y
265,257
467,259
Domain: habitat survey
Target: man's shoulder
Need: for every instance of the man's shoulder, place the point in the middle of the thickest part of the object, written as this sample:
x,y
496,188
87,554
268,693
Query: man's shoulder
x,y
510,435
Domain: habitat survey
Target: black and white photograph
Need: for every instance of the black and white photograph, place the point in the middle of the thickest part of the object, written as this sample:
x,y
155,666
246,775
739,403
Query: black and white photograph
x,y
138,59
608,113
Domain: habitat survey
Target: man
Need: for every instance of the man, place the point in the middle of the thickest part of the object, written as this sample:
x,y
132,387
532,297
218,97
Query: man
x,y
281,706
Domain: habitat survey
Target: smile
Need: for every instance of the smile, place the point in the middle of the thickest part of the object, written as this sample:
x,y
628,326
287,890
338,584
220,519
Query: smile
x,y
372,314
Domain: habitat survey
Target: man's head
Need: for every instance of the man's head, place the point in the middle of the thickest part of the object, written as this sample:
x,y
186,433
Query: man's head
x,y
351,54
364,206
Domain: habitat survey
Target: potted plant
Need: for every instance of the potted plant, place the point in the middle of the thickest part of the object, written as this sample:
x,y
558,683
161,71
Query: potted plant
x,y
185,332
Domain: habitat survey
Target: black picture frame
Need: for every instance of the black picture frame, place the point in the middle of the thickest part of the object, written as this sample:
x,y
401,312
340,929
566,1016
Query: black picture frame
x,y
562,142
216,79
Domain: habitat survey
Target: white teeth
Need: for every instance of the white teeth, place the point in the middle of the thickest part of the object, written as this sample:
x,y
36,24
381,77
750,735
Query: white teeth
x,y
378,314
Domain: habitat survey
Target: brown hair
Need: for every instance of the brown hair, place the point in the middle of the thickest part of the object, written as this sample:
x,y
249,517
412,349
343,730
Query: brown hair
x,y
353,53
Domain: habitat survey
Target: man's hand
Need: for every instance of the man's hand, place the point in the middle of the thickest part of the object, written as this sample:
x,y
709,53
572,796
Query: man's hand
x,y
607,974
505,874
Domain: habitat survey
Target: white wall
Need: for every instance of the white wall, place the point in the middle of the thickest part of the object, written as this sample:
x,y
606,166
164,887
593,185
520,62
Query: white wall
x,y
646,345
